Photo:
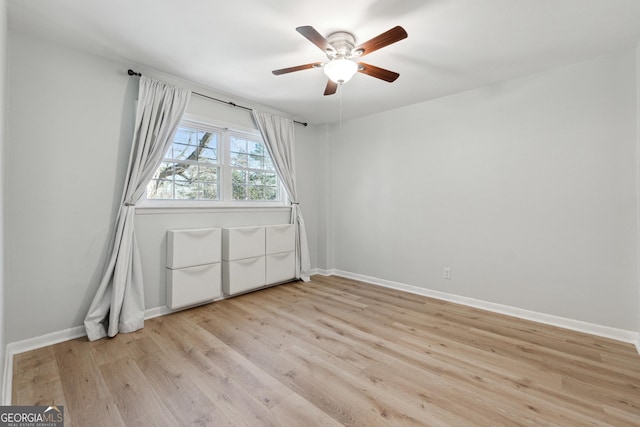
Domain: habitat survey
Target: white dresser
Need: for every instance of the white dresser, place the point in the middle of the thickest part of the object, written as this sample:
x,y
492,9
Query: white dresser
x,y
253,257
193,266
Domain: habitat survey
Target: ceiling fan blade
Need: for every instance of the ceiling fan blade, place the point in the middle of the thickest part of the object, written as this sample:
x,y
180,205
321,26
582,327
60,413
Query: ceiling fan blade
x,y
377,72
316,38
297,68
331,88
385,39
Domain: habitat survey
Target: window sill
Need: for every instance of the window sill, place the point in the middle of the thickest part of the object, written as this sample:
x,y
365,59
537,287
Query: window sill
x,y
151,209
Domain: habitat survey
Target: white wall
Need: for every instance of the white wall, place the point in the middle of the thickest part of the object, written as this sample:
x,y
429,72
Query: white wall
x,y
526,189
70,122
69,130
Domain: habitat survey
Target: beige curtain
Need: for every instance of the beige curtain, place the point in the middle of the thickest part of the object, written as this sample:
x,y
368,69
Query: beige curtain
x,y
118,305
279,137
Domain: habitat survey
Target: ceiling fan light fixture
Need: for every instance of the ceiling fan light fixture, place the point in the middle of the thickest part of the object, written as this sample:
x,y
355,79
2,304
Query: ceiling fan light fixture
x,y
340,70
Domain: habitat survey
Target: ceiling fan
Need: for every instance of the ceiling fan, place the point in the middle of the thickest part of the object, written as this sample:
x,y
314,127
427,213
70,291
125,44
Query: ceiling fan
x,y
342,52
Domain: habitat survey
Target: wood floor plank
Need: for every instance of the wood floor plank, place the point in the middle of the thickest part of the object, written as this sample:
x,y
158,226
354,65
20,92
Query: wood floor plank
x,y
38,367
82,382
296,410
136,399
101,412
336,351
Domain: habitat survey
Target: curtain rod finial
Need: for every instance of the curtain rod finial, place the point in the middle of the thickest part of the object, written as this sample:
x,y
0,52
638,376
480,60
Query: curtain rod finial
x,y
133,73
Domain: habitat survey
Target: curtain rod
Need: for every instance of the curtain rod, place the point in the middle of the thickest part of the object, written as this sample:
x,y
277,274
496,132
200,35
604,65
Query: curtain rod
x,y
133,73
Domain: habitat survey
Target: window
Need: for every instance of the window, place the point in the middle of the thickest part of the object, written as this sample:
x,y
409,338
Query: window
x,y
252,173
190,169
206,163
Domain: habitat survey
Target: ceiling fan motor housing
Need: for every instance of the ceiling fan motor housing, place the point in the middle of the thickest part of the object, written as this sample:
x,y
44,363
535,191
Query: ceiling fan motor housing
x,y
343,43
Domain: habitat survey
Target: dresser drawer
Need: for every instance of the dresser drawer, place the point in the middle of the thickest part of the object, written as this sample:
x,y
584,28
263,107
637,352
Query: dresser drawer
x,y
281,267
280,238
193,285
188,248
242,242
243,275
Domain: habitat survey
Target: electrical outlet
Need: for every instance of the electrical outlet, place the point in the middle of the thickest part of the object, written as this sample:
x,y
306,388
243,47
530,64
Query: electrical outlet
x,y
446,273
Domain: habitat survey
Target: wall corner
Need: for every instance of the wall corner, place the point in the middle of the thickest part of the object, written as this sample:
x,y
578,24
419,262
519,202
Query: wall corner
x,y
3,77
637,70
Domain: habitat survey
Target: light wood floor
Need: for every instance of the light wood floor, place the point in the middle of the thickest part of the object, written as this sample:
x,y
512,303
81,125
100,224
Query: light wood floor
x,y
336,352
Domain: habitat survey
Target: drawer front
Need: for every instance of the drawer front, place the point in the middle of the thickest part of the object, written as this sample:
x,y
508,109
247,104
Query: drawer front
x,y
281,267
242,242
188,248
243,275
280,238
193,285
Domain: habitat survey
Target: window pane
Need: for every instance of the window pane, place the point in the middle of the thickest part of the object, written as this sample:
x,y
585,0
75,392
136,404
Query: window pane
x,y
194,145
238,145
160,189
256,178
239,160
268,164
210,191
208,174
270,179
271,193
182,152
165,170
207,141
183,135
209,155
255,192
239,176
186,190
256,162
239,192
186,172
256,148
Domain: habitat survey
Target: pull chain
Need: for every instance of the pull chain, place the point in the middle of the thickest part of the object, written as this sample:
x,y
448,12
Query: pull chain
x,y
340,104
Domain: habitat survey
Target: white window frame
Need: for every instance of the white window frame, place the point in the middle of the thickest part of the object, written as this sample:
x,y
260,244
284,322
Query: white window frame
x,y
225,186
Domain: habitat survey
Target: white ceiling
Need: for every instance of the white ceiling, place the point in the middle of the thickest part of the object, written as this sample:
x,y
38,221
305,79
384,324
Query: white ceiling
x,y
233,46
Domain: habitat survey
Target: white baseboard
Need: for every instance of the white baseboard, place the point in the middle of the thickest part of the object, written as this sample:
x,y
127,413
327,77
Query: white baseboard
x,y
562,322
321,272
157,312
